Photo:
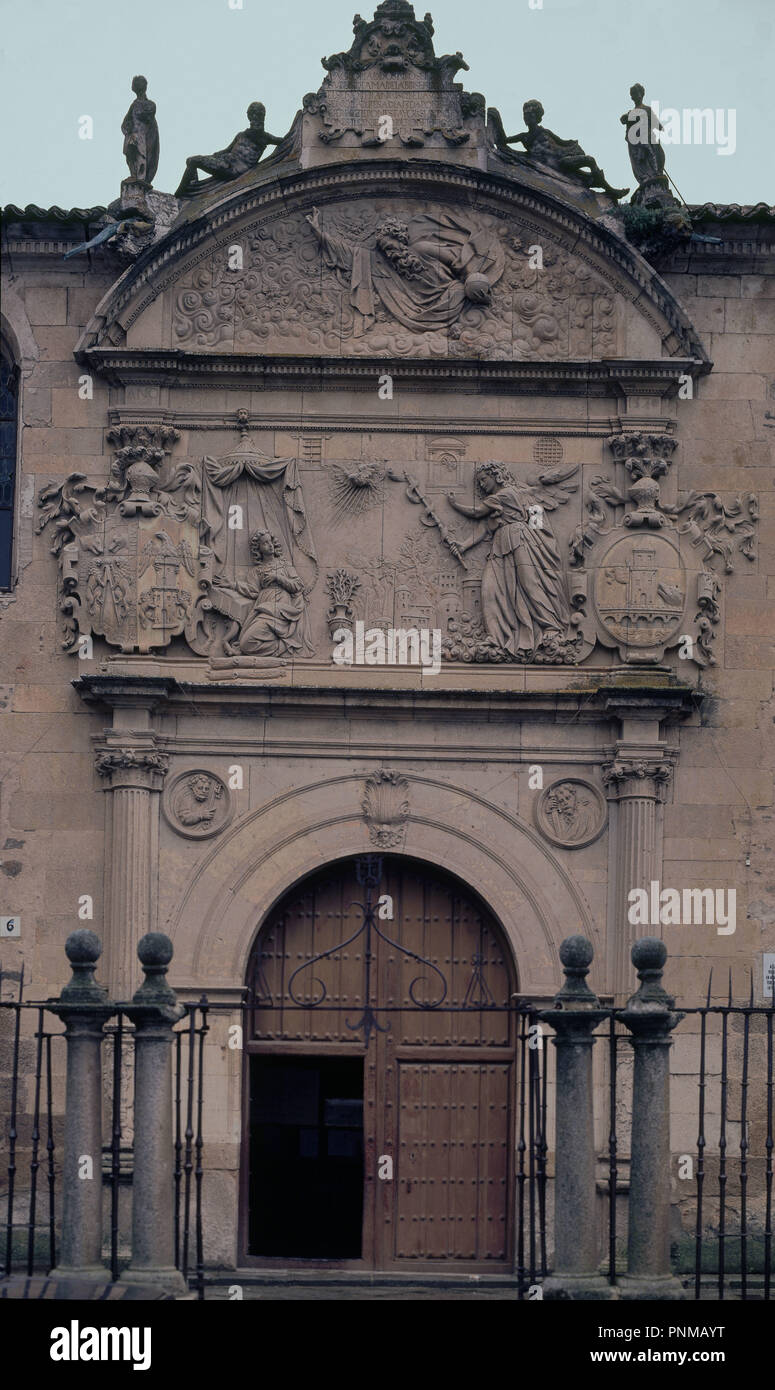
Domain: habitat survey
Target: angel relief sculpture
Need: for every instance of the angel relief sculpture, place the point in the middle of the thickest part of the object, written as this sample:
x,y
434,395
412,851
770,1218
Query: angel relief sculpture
x,y
525,608
423,271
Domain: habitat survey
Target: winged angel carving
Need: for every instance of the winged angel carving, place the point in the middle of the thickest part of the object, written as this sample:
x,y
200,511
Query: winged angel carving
x,y
525,606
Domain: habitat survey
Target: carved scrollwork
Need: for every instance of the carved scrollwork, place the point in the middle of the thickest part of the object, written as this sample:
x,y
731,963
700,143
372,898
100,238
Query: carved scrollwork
x,y
722,528
708,613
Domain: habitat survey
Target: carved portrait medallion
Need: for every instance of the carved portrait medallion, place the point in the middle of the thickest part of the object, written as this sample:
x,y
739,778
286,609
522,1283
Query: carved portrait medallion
x,y
571,813
197,804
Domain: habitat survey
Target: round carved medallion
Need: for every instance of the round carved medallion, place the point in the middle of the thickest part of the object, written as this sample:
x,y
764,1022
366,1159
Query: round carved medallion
x,y
571,813
197,804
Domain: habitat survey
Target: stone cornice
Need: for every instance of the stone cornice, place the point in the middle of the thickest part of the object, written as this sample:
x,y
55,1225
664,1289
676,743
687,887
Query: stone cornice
x,y
590,704
123,366
411,422
188,241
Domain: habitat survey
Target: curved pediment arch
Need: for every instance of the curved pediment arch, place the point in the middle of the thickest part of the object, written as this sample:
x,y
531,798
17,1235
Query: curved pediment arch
x,y
497,270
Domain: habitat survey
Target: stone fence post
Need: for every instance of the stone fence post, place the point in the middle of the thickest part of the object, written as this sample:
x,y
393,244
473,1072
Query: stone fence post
x,y
574,1017
154,1010
650,1018
84,1008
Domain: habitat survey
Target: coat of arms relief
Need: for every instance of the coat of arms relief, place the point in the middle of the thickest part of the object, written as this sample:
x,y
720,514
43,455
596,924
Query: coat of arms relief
x,y
220,554
513,565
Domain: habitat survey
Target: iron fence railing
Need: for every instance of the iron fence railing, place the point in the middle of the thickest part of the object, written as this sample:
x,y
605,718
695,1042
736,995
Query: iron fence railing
x,y
733,1087
742,1088
26,1030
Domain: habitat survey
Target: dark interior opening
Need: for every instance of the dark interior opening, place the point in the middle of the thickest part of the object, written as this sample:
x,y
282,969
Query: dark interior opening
x,y
306,1157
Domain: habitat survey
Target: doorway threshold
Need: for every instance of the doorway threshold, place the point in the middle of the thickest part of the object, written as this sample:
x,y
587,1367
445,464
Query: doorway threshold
x,y
332,1284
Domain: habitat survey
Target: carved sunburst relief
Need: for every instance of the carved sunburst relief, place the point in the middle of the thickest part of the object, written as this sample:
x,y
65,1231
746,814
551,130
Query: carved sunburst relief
x,y
355,487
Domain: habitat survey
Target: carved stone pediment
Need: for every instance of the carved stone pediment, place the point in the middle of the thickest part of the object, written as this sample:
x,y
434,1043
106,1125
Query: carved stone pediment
x,y
350,262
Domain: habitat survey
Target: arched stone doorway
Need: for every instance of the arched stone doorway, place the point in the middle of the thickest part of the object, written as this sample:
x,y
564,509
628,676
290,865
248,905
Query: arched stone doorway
x,y
380,1034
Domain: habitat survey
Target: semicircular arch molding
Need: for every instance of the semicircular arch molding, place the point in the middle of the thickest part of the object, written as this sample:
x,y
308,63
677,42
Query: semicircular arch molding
x,y
274,847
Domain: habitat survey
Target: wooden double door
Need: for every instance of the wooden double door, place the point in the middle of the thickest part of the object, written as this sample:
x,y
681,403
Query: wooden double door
x,y
380,1075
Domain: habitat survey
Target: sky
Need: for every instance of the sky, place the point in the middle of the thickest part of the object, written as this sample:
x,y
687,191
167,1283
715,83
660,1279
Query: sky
x,y
205,61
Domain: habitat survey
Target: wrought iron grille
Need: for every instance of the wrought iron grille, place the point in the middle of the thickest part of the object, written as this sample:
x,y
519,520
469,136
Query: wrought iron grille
x,y
428,990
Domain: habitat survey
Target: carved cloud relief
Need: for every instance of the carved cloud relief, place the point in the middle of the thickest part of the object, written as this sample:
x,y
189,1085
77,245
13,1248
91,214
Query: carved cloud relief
x,y
413,281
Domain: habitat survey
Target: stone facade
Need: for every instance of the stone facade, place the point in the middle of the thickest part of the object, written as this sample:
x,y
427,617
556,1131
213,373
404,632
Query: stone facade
x,y
180,744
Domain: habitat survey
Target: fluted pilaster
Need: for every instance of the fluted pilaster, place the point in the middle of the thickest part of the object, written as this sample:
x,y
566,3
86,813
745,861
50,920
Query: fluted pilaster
x,y
637,786
134,775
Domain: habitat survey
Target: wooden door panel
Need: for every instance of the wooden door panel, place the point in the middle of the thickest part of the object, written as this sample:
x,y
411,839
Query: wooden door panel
x,y
465,964
452,1172
436,1080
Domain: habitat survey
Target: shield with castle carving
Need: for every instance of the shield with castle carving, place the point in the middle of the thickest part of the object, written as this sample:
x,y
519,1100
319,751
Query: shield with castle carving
x,y
639,595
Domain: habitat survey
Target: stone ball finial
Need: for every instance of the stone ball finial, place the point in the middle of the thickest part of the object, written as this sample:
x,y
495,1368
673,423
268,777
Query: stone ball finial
x,y
155,951
83,947
649,1009
649,954
576,953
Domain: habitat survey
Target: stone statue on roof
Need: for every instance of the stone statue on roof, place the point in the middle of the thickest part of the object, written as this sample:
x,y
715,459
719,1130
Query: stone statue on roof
x,y
141,135
242,154
647,155
566,156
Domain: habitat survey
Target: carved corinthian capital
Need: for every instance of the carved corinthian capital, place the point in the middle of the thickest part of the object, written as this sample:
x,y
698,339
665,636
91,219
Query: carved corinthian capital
x,y
143,767
648,777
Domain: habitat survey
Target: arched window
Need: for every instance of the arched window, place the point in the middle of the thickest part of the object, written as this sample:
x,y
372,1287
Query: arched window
x,y
9,400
